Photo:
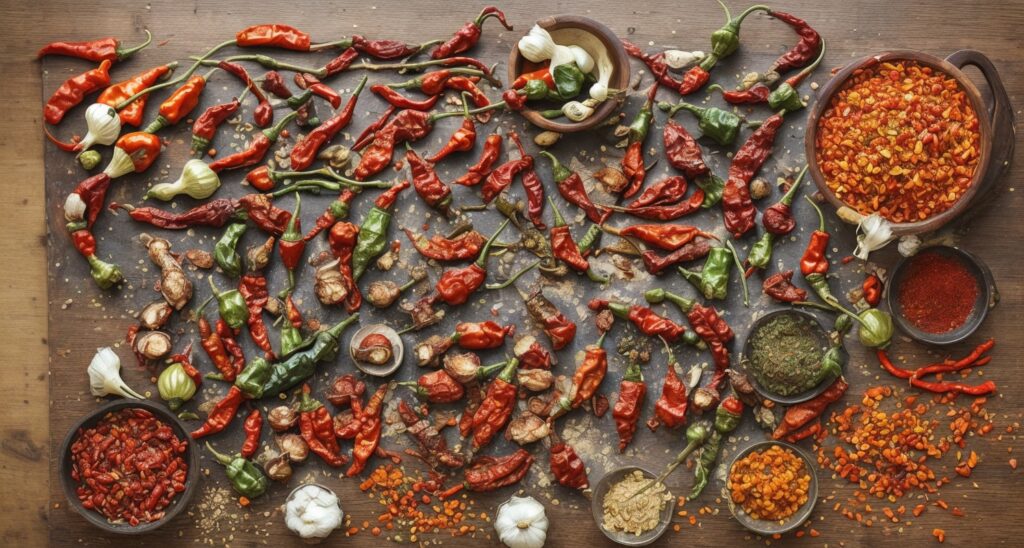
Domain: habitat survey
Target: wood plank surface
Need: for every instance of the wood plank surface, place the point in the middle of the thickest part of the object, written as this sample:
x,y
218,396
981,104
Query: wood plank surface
x,y
80,318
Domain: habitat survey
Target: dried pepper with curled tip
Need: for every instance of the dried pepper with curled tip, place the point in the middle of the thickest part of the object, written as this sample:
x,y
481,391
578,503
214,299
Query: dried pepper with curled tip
x,y
206,124
656,263
492,473
778,221
463,139
670,408
469,34
397,100
633,161
464,246
252,427
570,186
305,151
727,418
74,90
779,286
559,329
801,53
707,324
115,94
738,209
222,413
626,411
646,320
501,177
457,284
481,335
497,406
434,192
482,168
668,237
368,438
373,232
263,114
317,429
257,148
800,415
433,447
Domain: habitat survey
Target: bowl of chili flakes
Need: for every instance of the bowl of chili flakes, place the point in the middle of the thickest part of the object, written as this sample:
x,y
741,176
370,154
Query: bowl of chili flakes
x,y
899,134
157,429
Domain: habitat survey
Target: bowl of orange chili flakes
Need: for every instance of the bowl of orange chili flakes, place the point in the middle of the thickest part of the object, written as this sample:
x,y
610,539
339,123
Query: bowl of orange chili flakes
x,y
772,487
899,134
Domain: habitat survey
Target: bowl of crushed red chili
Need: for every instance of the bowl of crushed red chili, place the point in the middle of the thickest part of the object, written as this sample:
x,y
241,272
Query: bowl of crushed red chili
x,y
772,487
940,295
899,134
128,467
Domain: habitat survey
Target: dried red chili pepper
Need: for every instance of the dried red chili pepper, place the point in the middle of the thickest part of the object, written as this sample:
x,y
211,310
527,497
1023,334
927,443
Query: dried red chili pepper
x,y
667,191
801,414
343,238
318,88
434,192
670,409
273,36
513,100
646,320
436,387
433,447
656,263
215,213
398,100
253,287
669,237
534,189
570,186
463,247
252,426
492,473
205,126
263,115
559,329
345,390
102,49
273,82
815,258
257,148
291,245
178,104
941,387
872,289
222,413
779,286
481,335
633,162
369,134
317,429
802,52
496,408
368,438
532,355
683,152
756,94
467,36
227,334
629,405
667,212
305,151
457,284
738,209
563,246
463,139
261,211
567,467
337,211
482,168
115,94
214,346
74,90
502,176
385,49
589,375
467,85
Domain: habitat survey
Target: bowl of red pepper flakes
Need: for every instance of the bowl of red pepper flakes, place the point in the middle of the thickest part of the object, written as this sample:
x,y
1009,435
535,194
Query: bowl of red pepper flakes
x,y
907,135
128,467
557,26
941,295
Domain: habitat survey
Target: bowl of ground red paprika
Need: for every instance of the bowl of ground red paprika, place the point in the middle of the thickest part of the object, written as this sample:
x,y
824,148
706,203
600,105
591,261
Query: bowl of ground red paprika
x,y
908,136
128,467
941,295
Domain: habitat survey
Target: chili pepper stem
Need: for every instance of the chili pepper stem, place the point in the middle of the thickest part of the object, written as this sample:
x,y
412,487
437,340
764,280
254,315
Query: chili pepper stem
x,y
486,249
340,44
515,277
199,61
198,311
121,54
489,75
492,106
787,198
799,77
739,267
821,217
221,457
269,62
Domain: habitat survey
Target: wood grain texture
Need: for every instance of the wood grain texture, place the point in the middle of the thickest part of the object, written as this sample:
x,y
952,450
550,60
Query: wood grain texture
x,y
76,328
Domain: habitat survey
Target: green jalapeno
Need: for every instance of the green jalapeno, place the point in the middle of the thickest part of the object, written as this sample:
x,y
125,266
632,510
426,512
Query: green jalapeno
x,y
713,280
301,365
225,251
761,252
231,305
727,418
246,478
720,125
713,187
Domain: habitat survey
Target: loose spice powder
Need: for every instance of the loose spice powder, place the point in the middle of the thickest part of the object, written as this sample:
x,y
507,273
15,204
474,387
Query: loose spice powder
x,y
900,139
786,354
937,293
634,514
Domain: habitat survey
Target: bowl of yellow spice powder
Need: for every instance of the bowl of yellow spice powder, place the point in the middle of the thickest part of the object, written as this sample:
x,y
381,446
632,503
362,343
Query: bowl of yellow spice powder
x,y
628,511
772,487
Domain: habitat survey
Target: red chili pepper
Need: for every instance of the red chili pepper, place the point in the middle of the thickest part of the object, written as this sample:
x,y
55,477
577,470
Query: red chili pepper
x,y
633,161
227,335
215,349
804,51
261,211
590,373
468,85
667,191
103,49
253,287
383,49
496,408
570,186
543,73
693,80
205,126
492,473
398,100
656,263
366,137
215,213
800,414
467,36
317,429
567,467
292,245
872,289
942,387
178,105
256,150
669,237
252,426
337,211
646,320
342,239
563,247
368,438
502,176
559,329
437,387
463,247
629,405
305,151
273,36
341,62
74,90
739,210
534,357
756,94
779,286
815,258
117,93
670,409
222,413
313,84
481,335
456,285
683,152
263,115
513,100
463,139
482,168
434,192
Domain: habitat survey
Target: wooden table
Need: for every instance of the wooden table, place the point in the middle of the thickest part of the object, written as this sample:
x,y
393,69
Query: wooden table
x,y
852,30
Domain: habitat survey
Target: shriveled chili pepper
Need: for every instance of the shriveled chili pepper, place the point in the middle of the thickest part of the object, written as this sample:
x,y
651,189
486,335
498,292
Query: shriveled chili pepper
x,y
456,285
707,324
567,467
290,336
222,413
482,168
492,473
496,408
305,151
670,408
317,429
562,244
467,85
629,405
463,247
433,83
786,97
756,94
463,139
368,135
215,213
373,232
273,83
513,99
291,245
368,438
799,415
337,211
667,191
779,286
727,418
436,387
205,126
534,189
228,334
872,289
253,287
252,426
117,93
102,49
433,447
656,263
178,105
940,387
341,62
588,376
683,152
467,36
264,214
273,36
318,88
543,74
74,90
665,212
481,335
814,260
385,49
263,115
559,329
398,100
668,237
434,192
501,177
633,161
778,221
256,149
570,186
214,347
649,322
803,51
738,209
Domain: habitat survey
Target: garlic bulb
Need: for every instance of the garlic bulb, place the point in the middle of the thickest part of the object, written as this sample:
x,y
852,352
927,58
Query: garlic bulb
x,y
678,59
74,208
578,111
105,376
583,59
312,512
522,523
197,180
909,245
104,125
873,233
537,45
561,55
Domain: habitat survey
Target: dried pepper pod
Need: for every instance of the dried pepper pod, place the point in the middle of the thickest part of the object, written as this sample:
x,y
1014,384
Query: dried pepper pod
x,y
481,335
273,36
565,248
779,286
206,124
570,186
437,387
626,411
433,447
558,328
668,237
738,209
778,221
373,232
567,467
81,209
101,49
496,408
222,413
800,415
462,140
317,429
633,162
670,408
305,151
257,148
246,478
727,418
482,168
178,104
466,245
502,176
434,192
646,320
115,94
586,380
252,427
291,245
469,34
74,90
368,437
491,473
456,285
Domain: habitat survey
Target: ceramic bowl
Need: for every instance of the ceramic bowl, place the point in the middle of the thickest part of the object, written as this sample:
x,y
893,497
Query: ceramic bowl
x,y
619,537
397,350
95,518
768,528
593,35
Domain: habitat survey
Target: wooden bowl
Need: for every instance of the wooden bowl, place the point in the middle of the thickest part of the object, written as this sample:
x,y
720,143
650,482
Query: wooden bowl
x,y
984,112
517,65
95,518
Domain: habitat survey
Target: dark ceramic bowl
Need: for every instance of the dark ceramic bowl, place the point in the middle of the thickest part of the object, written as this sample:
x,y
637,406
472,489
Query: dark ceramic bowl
x,y
950,66
822,336
557,25
620,537
179,502
986,299
767,528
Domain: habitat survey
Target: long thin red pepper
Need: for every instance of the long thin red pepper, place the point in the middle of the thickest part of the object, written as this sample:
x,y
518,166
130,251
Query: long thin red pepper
x,y
434,192
222,413
342,239
252,426
205,126
213,345
314,85
263,115
804,51
941,387
317,429
469,34
116,93
463,139
368,438
253,287
482,168
74,90
398,100
257,148
305,151
102,49
273,36
738,208
502,176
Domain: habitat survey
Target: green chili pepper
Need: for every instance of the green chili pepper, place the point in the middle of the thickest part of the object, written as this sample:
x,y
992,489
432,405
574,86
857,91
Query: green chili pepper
x,y
246,478
188,416
552,113
843,324
225,252
713,187
291,337
875,329
589,238
536,90
104,273
726,40
785,97
568,82
739,267
720,125
642,122
726,420
252,378
296,101
696,435
713,280
761,252
659,295
231,305
372,240
301,365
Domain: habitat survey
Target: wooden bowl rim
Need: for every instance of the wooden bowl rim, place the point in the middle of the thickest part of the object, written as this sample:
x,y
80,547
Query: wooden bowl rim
x,y
981,111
